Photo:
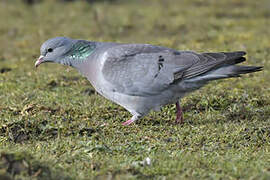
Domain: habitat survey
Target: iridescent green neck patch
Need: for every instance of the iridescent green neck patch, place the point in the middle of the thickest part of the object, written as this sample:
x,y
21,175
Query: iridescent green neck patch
x,y
81,50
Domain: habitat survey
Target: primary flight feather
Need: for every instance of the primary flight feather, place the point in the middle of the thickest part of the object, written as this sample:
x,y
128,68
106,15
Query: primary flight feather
x,y
142,77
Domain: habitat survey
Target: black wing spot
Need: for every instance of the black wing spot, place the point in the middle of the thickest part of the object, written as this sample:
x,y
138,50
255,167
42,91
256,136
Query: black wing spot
x,y
161,59
160,64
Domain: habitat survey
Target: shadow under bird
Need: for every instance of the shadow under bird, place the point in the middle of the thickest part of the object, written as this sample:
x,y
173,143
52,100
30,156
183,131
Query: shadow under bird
x,y
142,77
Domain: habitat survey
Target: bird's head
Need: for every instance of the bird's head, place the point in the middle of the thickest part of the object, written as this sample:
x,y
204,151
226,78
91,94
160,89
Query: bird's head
x,y
54,50
65,51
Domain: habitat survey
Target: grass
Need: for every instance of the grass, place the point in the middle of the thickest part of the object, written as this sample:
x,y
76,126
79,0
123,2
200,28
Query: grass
x,y
54,126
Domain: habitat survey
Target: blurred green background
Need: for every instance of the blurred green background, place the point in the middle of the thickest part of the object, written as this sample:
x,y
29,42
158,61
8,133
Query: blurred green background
x,y
54,126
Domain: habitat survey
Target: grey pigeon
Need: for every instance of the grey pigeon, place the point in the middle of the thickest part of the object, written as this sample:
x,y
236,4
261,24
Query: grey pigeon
x,y
142,77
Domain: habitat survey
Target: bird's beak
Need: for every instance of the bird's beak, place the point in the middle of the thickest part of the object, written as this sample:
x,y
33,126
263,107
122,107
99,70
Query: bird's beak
x,y
39,61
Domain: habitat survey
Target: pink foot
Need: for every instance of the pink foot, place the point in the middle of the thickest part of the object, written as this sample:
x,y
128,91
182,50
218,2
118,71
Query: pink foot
x,y
179,114
128,122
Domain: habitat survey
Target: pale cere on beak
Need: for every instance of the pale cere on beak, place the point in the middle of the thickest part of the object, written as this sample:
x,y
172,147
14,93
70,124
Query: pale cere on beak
x,y
39,61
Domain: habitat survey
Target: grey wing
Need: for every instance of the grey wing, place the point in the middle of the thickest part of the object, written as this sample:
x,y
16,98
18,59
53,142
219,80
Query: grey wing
x,y
142,69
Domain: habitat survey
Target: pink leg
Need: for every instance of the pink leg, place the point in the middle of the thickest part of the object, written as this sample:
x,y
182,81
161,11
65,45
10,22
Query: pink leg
x,y
179,114
128,122
134,118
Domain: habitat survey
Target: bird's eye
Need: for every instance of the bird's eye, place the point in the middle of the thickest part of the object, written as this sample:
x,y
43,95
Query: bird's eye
x,y
50,50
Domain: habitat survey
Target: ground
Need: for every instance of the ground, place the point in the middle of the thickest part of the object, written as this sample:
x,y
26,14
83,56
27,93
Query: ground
x,y
53,125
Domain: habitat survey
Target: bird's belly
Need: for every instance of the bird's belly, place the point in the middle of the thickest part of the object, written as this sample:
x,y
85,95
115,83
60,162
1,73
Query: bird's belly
x,y
134,104
142,104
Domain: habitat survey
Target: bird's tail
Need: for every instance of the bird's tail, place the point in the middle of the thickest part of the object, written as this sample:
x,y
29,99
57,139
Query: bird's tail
x,y
228,69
